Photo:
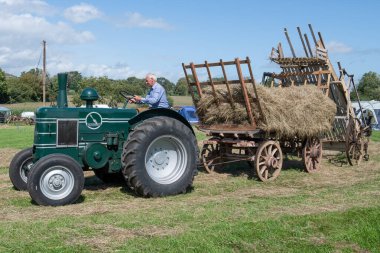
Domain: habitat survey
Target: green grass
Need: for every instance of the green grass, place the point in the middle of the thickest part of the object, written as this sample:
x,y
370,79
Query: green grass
x,y
375,136
334,210
16,137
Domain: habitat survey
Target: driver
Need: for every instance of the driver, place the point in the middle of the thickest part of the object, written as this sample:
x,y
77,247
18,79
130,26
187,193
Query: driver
x,y
156,97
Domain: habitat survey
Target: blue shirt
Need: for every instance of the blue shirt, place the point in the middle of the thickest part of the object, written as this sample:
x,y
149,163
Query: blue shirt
x,y
156,97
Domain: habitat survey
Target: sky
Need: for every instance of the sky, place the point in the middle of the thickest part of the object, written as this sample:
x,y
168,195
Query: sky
x,y
124,38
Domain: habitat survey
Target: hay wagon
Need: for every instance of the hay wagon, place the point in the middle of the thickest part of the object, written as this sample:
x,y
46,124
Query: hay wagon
x,y
349,133
231,143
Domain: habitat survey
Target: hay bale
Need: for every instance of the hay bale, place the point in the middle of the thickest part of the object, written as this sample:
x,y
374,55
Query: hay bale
x,y
302,111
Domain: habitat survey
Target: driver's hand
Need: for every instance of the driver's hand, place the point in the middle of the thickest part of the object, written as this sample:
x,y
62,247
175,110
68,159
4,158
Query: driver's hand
x,y
137,98
132,101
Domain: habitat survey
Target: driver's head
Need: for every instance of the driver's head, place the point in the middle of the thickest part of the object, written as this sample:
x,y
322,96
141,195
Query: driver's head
x,y
150,79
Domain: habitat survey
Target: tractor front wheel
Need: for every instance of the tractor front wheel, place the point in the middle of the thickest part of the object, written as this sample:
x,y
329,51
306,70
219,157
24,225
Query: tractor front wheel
x,y
19,168
160,157
55,180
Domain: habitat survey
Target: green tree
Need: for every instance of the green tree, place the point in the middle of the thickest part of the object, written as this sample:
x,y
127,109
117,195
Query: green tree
x,y
3,88
369,87
27,87
181,88
169,86
75,79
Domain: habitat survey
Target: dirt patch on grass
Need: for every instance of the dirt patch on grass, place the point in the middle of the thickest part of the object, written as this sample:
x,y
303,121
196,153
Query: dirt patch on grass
x,y
6,155
109,235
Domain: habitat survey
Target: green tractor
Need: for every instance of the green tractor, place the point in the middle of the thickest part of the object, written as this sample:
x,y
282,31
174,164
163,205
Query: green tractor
x,y
155,151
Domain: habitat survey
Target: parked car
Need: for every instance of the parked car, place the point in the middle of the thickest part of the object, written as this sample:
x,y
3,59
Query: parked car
x,y
4,113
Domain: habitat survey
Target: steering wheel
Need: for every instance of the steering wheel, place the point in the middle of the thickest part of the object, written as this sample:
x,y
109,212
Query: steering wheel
x,y
127,96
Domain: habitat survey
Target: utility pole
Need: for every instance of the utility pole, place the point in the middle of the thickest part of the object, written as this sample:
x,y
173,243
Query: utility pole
x,y
44,73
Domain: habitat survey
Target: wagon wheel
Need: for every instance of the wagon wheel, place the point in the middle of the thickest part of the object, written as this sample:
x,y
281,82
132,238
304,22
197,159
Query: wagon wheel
x,y
210,157
312,154
268,160
354,142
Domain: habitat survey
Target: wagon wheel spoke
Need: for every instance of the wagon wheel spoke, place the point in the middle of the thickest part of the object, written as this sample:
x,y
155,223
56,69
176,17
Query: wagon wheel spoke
x,y
268,160
312,154
211,157
354,142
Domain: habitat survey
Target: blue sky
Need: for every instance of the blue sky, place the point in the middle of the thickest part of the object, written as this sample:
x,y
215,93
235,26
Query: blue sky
x,y
122,38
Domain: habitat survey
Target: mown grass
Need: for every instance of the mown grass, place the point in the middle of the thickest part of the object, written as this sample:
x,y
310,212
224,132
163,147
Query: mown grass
x,y
16,136
375,136
334,210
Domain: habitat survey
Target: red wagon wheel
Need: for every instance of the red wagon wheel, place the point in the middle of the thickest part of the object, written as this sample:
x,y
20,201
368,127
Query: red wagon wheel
x,y
268,161
211,156
312,154
354,142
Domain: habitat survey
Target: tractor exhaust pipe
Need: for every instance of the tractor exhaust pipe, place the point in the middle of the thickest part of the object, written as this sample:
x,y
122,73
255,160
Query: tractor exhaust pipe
x,y
62,93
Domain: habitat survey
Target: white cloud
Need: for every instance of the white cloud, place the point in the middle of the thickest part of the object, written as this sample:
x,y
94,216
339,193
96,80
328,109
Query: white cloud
x,y
63,63
338,47
22,34
117,71
135,19
82,13
26,6
23,28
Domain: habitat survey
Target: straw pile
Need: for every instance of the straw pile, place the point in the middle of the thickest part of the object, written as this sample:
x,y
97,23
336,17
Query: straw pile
x,y
302,111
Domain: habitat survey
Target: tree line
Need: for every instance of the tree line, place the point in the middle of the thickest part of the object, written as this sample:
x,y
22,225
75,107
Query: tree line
x,y
28,87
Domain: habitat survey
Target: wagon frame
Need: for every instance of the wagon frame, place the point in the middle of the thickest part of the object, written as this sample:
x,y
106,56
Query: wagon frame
x,y
264,151
349,133
230,143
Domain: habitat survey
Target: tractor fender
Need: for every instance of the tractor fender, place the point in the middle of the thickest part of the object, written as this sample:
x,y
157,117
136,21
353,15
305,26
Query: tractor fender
x,y
157,112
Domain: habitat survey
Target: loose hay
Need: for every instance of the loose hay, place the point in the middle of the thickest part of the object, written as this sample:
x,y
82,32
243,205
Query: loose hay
x,y
302,111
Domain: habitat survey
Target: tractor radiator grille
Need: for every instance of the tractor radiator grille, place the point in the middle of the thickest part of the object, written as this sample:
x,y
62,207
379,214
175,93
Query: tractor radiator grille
x,y
67,133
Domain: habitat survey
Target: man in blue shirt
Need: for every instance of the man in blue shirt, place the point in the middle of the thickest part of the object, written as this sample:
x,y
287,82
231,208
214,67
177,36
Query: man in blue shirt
x,y
156,97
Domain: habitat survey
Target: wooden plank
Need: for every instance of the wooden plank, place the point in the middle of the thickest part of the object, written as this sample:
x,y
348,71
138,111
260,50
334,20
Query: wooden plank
x,y
289,73
214,64
312,34
196,80
290,43
245,94
308,45
189,86
321,39
219,82
227,84
280,51
303,42
211,82
254,87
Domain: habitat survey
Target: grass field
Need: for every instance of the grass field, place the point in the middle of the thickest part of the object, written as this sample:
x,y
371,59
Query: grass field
x,y
334,210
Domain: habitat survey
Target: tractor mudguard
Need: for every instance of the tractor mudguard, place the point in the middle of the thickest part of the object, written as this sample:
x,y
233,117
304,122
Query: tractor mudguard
x,y
156,113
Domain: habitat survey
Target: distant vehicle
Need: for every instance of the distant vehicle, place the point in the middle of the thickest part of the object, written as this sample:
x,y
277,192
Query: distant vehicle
x,y
374,107
29,115
4,113
189,113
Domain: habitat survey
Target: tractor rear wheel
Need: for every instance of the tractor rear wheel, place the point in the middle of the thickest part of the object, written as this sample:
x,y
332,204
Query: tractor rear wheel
x,y
160,157
55,180
19,168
